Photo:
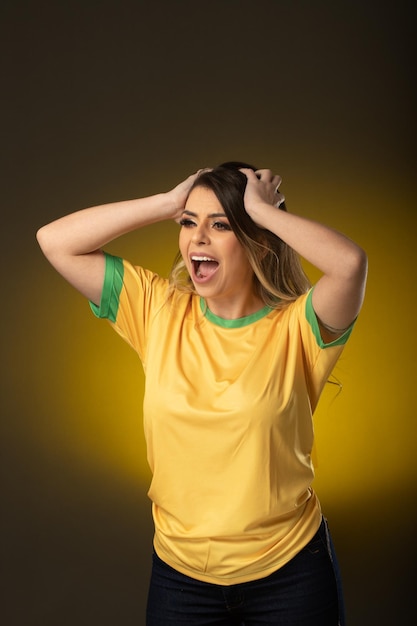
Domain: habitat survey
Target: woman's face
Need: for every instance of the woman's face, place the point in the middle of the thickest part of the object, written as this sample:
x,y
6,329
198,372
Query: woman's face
x,y
216,261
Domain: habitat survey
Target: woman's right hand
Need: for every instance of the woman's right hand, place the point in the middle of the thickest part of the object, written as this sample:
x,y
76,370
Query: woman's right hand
x,y
179,194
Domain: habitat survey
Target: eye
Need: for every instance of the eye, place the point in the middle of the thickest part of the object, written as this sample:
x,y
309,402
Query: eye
x,y
221,226
187,223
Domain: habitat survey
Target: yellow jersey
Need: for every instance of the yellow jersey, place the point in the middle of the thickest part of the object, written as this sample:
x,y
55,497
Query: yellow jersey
x,y
228,424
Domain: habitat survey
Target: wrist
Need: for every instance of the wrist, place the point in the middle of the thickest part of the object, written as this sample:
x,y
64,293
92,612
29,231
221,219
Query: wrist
x,y
261,211
173,204
166,205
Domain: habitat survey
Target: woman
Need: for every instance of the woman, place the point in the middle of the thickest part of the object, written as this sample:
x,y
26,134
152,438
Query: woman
x,y
236,349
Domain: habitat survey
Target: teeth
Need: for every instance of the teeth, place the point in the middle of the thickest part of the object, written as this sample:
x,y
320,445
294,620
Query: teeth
x,y
201,258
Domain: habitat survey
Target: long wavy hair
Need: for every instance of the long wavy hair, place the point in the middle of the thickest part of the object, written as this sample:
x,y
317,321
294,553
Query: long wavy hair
x,y
278,274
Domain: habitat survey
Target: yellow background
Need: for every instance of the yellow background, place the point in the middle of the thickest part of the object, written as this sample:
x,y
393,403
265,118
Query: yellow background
x,y
111,101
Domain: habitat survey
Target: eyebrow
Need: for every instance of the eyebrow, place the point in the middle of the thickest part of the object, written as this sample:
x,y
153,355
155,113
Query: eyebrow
x,y
211,214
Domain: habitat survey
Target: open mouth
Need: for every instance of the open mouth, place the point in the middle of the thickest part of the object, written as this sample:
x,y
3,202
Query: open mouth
x,y
204,267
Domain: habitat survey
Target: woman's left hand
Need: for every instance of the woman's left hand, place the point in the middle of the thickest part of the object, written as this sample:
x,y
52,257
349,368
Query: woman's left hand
x,y
262,188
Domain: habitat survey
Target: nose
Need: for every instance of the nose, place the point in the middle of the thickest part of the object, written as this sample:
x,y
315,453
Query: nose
x,y
200,235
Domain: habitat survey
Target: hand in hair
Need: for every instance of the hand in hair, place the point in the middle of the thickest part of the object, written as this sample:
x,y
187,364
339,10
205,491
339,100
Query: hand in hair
x,y
262,188
179,194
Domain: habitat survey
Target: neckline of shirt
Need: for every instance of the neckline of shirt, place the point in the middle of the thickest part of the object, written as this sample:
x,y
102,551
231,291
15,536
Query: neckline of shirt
x,y
235,323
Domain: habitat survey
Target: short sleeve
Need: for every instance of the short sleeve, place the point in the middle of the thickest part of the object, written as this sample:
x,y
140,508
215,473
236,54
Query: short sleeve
x,y
131,297
314,325
112,286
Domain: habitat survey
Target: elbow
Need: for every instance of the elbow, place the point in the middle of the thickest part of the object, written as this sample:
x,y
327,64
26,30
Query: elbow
x,y
350,264
356,265
361,262
39,234
42,238
47,241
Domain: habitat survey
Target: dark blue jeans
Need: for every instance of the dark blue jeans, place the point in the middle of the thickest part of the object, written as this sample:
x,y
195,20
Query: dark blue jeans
x,y
305,592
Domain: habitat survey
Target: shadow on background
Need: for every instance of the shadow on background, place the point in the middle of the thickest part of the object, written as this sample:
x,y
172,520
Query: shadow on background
x,y
107,101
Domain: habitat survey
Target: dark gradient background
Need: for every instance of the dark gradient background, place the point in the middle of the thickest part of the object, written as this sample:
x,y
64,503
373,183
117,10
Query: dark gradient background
x,y
106,101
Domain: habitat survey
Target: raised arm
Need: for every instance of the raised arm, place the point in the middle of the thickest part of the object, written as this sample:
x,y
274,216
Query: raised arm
x,y
339,293
72,244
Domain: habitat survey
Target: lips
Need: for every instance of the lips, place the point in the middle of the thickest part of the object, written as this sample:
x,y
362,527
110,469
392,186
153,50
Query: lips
x,y
204,267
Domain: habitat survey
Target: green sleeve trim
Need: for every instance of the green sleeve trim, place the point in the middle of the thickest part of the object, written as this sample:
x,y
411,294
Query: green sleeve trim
x,y
112,286
312,320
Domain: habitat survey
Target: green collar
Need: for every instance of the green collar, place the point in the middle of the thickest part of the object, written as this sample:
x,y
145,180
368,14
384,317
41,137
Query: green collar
x,y
236,323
